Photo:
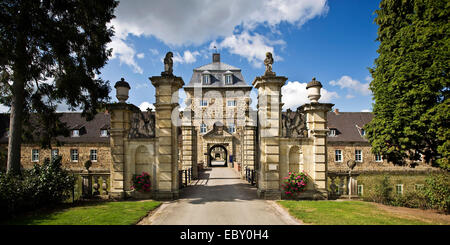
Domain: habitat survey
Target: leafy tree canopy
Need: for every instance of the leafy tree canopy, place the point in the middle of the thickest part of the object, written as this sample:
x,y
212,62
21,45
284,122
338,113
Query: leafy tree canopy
x,y
411,82
51,52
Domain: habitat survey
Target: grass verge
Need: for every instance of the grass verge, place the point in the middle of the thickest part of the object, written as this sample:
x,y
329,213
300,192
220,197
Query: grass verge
x,y
344,213
101,213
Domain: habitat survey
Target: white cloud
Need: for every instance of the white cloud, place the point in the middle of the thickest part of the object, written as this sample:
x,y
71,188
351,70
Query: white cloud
x,y
294,94
349,96
154,51
144,105
178,23
352,84
142,85
252,47
182,98
140,55
125,53
366,110
188,57
4,109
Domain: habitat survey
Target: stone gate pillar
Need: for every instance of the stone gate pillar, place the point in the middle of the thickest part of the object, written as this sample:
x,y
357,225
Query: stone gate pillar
x,y
120,125
316,114
269,123
188,146
166,142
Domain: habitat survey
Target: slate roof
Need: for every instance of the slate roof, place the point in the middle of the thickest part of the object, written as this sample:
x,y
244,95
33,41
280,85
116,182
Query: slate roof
x,y
348,125
217,70
89,130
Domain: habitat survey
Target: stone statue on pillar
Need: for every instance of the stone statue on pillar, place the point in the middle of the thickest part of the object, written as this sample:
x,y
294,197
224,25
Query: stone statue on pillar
x,y
268,63
168,65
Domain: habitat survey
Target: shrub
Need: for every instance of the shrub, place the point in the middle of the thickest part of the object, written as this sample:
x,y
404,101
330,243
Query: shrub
x,y
413,199
382,193
437,191
295,183
141,182
42,186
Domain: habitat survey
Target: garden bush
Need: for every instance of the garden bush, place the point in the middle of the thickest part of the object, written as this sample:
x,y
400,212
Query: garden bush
x,y
413,199
437,191
43,186
382,193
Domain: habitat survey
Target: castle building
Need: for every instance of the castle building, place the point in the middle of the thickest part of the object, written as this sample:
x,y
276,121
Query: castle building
x,y
218,128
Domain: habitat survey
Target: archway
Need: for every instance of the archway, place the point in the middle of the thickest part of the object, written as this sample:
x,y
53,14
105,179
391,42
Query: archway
x,y
217,156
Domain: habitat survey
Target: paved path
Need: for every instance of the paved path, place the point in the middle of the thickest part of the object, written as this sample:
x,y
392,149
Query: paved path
x,y
219,197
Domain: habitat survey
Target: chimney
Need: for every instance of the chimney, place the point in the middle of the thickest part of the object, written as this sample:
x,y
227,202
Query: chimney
x,y
216,57
336,111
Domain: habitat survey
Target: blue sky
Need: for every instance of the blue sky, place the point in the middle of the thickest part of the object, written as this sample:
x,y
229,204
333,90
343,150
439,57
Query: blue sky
x,y
333,41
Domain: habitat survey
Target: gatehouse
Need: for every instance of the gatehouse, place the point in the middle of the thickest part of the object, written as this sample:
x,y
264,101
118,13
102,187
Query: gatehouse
x,y
218,128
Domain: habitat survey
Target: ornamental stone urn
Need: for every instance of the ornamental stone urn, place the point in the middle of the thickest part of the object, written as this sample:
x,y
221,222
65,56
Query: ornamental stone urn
x,y
122,89
313,89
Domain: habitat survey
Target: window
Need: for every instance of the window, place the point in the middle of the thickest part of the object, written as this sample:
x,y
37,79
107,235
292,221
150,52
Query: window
x,y
103,133
75,133
399,189
232,103
74,155
231,128
378,158
358,155
205,79
35,155
360,190
55,153
93,155
332,132
363,132
338,155
203,128
228,79
419,187
203,103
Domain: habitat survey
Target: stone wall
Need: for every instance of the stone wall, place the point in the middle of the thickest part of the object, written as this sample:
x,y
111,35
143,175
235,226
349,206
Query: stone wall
x,y
103,156
368,163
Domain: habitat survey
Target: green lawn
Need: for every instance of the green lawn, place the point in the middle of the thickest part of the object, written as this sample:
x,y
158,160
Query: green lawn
x,y
343,213
103,213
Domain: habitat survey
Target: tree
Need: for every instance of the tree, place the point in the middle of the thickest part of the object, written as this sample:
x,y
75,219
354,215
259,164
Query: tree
x,y
51,51
411,82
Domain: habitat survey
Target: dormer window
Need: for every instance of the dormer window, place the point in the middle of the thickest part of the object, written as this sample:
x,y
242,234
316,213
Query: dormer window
x,y
228,79
75,133
363,132
205,79
332,132
103,133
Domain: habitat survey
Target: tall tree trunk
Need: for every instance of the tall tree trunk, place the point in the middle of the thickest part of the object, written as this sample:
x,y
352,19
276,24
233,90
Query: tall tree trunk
x,y
19,80
15,124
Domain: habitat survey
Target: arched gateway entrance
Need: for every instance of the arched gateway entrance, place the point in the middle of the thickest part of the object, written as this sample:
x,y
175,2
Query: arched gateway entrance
x,y
217,156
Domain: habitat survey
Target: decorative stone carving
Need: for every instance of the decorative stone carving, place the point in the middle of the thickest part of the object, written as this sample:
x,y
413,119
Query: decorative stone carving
x,y
122,89
313,89
293,124
168,65
268,63
142,125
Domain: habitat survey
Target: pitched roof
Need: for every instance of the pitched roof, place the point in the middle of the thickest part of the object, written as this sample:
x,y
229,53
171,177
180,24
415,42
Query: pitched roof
x,y
348,125
89,130
217,70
